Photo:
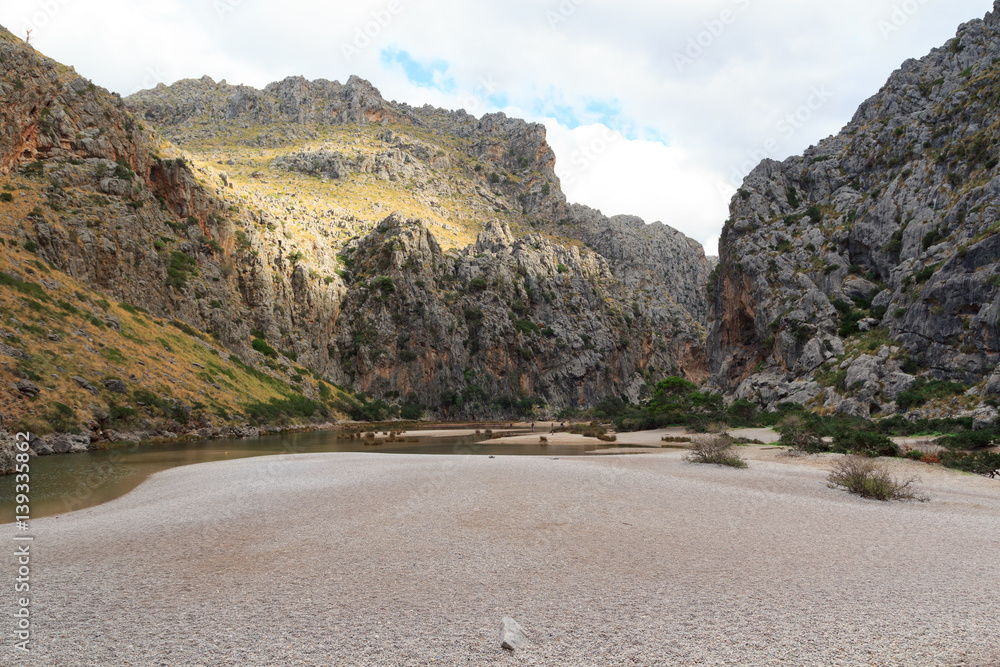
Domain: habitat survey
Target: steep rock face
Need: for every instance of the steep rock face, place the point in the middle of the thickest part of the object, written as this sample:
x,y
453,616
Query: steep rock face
x,y
885,236
654,258
508,319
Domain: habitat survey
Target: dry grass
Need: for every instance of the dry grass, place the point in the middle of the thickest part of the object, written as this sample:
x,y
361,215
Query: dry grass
x,y
870,478
718,451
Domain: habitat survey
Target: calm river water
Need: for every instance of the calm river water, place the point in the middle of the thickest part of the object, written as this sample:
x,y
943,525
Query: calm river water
x,y
67,482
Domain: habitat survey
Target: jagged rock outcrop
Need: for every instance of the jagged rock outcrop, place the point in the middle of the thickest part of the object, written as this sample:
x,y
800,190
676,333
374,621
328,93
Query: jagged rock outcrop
x,y
885,237
636,252
507,320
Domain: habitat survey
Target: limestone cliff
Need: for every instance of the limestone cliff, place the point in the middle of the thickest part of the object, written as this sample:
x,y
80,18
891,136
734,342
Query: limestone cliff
x,y
872,259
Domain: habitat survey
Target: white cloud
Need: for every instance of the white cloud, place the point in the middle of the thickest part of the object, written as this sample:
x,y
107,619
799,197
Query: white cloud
x,y
661,184
758,63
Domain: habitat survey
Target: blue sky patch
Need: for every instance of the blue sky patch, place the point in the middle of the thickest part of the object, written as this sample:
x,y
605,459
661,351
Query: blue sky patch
x,y
432,74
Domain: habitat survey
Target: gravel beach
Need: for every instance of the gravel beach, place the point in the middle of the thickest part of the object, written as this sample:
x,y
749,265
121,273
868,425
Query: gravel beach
x,y
373,559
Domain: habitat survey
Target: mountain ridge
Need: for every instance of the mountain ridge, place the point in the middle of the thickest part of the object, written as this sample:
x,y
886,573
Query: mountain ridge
x,y
243,242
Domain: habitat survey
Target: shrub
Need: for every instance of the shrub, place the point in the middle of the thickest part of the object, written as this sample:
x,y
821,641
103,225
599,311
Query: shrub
x,y
527,327
797,434
123,171
6,196
261,346
280,410
29,289
562,268
743,413
718,450
968,440
30,246
980,463
865,443
815,213
385,284
932,238
922,391
178,269
63,419
870,479
793,197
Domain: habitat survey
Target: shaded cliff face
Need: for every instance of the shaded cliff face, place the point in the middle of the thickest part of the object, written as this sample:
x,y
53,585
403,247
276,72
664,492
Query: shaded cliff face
x,y
273,233
872,259
506,320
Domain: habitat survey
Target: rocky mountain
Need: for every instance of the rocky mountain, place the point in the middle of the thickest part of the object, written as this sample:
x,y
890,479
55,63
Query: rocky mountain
x,y
206,254
868,266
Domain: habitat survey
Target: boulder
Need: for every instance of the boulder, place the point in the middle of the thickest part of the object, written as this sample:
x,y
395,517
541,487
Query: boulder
x,y
512,635
28,388
853,408
84,384
13,352
985,417
859,289
68,443
863,370
115,386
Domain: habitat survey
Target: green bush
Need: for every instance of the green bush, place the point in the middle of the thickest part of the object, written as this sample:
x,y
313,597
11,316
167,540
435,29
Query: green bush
x,y
30,289
113,354
6,197
179,268
932,238
123,171
864,443
527,327
923,390
980,463
478,284
562,268
62,418
281,410
969,440
793,197
798,434
262,346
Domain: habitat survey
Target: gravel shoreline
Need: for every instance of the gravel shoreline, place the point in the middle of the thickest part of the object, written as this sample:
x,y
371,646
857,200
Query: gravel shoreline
x,y
374,559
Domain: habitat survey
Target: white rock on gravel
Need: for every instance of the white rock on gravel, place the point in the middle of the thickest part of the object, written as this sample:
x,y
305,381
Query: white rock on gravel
x,y
512,635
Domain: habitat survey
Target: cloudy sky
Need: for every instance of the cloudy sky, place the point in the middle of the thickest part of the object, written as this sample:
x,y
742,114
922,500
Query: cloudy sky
x,y
656,108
